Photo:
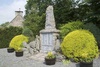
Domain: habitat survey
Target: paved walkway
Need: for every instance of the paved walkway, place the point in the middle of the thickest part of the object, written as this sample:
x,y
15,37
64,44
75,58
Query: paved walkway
x,y
10,60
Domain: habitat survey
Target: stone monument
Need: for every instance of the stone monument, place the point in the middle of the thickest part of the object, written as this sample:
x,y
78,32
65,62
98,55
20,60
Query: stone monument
x,y
50,34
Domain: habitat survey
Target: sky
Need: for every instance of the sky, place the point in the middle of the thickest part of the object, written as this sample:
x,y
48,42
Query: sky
x,y
8,8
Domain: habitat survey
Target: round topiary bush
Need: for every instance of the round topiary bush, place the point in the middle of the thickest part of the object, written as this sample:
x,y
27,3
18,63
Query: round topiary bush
x,y
17,41
80,45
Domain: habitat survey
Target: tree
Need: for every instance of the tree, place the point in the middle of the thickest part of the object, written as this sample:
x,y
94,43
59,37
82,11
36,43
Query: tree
x,y
92,11
64,10
35,14
4,24
32,17
94,14
34,22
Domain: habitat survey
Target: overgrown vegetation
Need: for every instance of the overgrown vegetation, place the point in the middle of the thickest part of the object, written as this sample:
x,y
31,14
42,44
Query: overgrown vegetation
x,y
93,29
69,27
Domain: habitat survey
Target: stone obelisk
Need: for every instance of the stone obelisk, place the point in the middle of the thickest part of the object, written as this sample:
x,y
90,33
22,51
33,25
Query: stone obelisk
x,y
50,21
49,35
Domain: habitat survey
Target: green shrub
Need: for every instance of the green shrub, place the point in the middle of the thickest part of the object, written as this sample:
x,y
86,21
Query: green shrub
x,y
80,45
27,32
70,26
94,29
7,33
17,42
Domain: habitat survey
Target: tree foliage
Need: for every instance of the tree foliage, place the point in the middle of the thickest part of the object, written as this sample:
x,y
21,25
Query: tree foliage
x,y
64,10
4,24
35,13
92,11
95,14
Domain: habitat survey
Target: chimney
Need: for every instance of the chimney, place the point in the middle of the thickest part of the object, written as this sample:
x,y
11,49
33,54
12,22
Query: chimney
x,y
19,12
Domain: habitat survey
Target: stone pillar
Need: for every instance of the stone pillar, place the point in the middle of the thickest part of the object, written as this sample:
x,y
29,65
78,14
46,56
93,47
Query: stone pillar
x,y
47,35
50,21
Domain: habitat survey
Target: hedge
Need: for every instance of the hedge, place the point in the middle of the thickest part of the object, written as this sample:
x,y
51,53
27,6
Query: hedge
x,y
7,33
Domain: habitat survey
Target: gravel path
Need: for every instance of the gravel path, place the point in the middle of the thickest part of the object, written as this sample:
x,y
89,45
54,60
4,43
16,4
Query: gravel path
x,y
10,60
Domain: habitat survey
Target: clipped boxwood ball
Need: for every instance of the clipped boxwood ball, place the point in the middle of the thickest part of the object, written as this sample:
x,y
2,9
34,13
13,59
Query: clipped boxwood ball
x,y
17,41
80,45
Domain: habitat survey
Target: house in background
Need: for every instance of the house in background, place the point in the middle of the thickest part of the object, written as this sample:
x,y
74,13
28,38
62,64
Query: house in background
x,y
18,20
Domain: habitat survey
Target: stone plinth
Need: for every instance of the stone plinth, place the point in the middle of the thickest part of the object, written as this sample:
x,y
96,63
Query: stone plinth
x,y
48,39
